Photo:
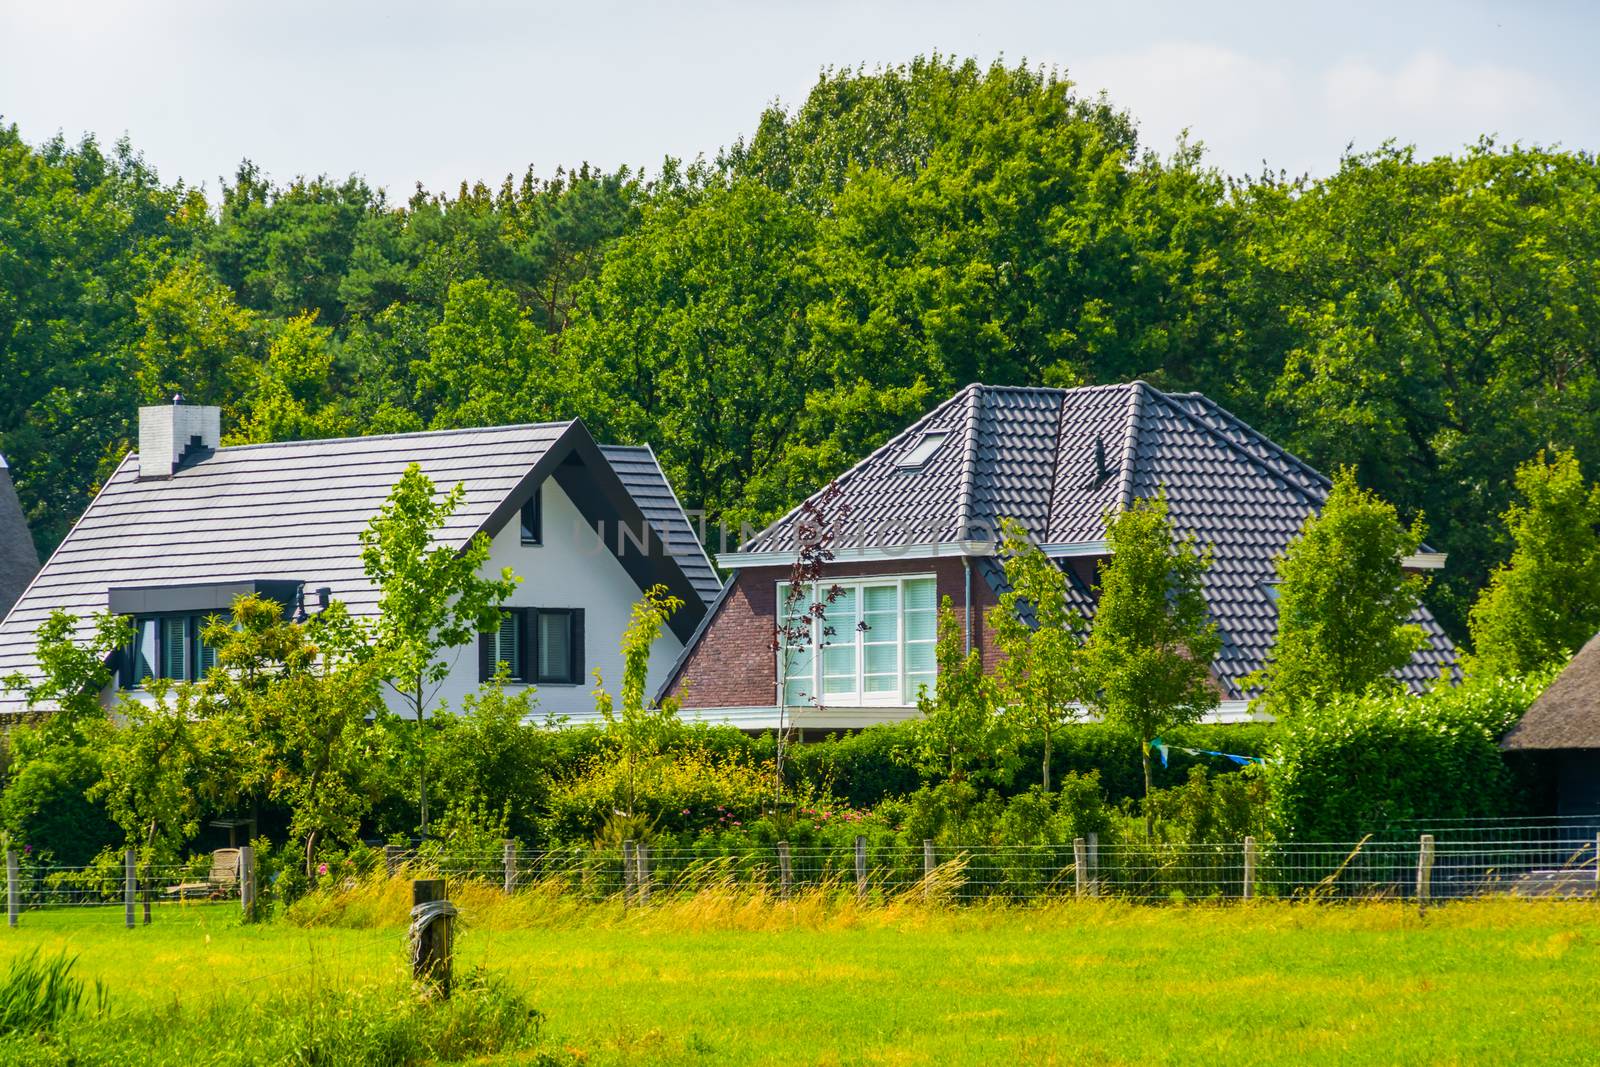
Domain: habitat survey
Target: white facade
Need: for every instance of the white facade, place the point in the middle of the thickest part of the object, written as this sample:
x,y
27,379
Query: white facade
x,y
572,568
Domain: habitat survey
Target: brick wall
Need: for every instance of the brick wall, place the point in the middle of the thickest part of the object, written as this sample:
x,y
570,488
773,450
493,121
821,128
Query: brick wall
x,y
733,664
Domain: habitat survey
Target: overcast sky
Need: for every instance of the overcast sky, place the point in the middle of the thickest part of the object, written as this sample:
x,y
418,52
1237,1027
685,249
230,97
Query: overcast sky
x,y
402,92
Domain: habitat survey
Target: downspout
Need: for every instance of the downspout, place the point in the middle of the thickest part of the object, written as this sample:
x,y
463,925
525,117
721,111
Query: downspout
x,y
966,567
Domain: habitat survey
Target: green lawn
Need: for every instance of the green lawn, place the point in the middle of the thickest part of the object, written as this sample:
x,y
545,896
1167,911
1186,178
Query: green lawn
x,y
1098,983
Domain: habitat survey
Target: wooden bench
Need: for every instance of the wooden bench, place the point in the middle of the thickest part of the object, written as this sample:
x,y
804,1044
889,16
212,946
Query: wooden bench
x,y
220,880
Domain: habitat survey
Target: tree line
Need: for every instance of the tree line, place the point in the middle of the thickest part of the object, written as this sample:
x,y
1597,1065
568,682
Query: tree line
x,y
766,315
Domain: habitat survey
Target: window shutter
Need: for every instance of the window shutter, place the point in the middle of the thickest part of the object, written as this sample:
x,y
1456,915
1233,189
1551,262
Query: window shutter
x,y
577,645
486,656
529,617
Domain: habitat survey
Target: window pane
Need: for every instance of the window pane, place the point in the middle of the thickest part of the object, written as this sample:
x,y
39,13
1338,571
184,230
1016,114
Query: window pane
x,y
145,646
882,683
919,657
921,625
883,659
881,598
921,595
175,647
914,683
533,519
555,646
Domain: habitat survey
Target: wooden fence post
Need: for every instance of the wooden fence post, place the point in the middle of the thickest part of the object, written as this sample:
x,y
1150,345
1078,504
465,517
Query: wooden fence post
x,y
928,865
129,881
509,861
1248,889
641,862
247,882
627,872
1094,864
861,867
391,859
1080,864
785,870
432,918
13,910
1424,871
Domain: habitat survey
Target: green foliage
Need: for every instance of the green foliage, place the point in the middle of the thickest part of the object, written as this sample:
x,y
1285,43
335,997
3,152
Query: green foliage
x,y
157,773
1431,321
1151,646
1343,601
685,790
1040,681
1360,763
1542,605
959,735
55,761
641,728
497,750
292,703
431,597
38,995
1214,809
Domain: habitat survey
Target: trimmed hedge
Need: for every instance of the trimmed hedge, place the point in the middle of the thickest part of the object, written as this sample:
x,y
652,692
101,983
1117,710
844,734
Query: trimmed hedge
x,y
1360,765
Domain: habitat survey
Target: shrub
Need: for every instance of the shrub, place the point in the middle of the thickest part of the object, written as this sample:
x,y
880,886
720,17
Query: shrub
x,y
1213,809
672,792
1361,763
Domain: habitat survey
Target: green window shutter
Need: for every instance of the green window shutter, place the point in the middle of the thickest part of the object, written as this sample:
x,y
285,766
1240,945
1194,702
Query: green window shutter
x,y
175,647
508,646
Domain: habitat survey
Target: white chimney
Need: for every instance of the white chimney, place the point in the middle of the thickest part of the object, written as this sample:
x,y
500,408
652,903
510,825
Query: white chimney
x,y
167,432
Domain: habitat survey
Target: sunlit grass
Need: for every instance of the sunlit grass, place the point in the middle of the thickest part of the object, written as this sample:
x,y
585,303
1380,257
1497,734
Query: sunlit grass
x,y
731,975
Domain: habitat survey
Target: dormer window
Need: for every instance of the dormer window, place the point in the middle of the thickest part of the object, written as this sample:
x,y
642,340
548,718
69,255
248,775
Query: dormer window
x,y
922,451
533,519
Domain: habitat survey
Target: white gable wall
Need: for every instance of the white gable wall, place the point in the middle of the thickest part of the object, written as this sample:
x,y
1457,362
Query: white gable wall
x,y
571,569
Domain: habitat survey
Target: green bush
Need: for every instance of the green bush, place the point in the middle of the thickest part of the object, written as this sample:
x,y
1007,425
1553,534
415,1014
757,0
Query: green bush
x,y
1358,765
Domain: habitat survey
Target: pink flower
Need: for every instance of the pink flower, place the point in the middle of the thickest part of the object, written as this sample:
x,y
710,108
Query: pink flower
x,y
322,868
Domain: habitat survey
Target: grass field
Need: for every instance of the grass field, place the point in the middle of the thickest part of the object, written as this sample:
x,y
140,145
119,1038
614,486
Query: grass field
x,y
726,980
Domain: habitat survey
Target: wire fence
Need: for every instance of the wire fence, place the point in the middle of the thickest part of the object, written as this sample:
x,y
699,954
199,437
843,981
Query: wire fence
x,y
1427,867
1548,859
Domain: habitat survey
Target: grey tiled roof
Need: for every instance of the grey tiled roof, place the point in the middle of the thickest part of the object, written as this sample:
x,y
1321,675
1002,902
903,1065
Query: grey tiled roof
x,y
1059,459
18,558
295,511
639,470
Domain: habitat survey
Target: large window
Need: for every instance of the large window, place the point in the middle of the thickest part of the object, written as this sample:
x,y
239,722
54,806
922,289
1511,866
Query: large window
x,y
874,644
543,645
167,646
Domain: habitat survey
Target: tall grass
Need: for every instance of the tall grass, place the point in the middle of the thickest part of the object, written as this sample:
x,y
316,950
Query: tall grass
x,y
38,995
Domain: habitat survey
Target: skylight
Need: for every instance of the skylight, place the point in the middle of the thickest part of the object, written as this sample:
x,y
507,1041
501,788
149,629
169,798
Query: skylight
x,y
922,451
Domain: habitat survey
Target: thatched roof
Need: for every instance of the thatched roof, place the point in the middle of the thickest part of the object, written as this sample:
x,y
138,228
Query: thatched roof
x,y
18,559
1567,715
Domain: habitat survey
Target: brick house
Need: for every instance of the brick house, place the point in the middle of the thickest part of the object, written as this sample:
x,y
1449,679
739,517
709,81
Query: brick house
x,y
922,524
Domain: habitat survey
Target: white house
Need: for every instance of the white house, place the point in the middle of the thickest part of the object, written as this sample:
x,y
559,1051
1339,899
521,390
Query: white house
x,y
184,526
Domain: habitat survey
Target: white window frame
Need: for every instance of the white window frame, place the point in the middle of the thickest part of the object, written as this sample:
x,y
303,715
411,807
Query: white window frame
x,y
859,698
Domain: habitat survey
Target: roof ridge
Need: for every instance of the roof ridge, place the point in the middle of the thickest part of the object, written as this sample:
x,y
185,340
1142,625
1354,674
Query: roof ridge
x,y
969,464
392,436
1055,465
1130,441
